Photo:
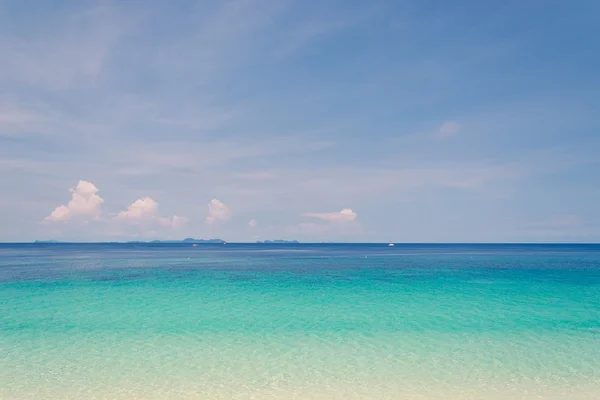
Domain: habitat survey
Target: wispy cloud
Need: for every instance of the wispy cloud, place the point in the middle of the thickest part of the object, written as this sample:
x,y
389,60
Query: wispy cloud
x,y
196,156
569,227
36,119
325,23
341,223
560,224
344,215
449,128
73,52
325,231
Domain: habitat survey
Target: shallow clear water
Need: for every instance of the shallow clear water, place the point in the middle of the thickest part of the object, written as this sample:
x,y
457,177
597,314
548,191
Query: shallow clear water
x,y
116,321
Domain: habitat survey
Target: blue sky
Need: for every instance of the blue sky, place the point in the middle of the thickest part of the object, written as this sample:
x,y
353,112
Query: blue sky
x,y
418,121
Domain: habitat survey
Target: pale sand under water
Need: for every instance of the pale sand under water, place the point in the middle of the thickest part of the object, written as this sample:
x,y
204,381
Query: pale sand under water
x,y
356,390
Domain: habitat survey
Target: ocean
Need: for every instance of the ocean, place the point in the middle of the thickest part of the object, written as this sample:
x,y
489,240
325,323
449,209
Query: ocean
x,y
299,321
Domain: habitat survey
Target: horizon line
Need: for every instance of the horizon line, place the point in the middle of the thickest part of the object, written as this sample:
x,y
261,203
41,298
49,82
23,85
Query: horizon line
x,y
290,242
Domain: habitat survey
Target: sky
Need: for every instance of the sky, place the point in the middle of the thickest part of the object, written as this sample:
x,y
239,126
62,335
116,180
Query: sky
x,y
353,121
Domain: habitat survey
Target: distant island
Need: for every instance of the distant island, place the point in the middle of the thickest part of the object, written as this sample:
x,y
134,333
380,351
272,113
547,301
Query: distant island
x,y
278,242
186,240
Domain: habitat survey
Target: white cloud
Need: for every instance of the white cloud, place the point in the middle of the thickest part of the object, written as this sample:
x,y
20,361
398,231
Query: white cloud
x,y
217,211
336,224
252,223
146,210
344,215
139,209
178,222
84,203
449,128
324,230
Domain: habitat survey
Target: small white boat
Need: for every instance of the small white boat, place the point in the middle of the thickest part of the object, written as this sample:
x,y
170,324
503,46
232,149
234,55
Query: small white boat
x,y
391,244
195,245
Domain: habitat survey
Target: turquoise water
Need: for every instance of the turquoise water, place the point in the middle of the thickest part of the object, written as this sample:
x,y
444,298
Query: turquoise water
x,y
299,322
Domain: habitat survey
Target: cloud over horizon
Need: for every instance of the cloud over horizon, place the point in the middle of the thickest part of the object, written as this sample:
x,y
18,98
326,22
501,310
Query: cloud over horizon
x,y
335,224
217,212
146,210
344,215
84,203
